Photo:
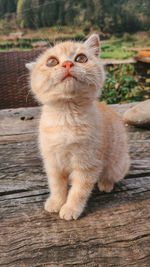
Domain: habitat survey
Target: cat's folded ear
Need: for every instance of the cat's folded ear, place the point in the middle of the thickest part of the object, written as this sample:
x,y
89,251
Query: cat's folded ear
x,y
93,42
30,66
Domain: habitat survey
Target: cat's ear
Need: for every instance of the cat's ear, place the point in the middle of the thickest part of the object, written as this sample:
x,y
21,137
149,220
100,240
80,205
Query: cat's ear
x,y
93,42
30,66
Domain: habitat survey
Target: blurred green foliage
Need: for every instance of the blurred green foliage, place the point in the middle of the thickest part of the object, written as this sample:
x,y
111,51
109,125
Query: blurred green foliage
x,y
123,85
116,50
107,16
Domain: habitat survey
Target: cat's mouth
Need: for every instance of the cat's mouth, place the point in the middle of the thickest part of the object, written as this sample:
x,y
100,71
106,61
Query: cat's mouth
x,y
69,76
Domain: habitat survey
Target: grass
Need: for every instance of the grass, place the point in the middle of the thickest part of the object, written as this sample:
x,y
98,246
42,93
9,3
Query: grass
x,y
116,51
118,48
114,48
110,53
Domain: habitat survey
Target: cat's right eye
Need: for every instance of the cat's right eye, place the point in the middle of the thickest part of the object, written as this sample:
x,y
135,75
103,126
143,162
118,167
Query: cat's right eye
x,y
52,62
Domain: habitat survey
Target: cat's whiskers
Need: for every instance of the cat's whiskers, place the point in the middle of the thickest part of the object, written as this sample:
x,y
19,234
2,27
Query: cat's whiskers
x,y
92,81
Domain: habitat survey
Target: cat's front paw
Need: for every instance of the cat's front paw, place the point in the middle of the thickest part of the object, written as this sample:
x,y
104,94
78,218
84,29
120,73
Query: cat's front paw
x,y
105,186
69,213
53,205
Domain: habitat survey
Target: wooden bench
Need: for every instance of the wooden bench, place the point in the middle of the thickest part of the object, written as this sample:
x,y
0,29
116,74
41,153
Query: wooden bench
x,y
114,230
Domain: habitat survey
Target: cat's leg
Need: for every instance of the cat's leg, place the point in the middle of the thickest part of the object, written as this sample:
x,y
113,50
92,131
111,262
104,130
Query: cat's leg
x,y
82,185
105,184
58,189
113,173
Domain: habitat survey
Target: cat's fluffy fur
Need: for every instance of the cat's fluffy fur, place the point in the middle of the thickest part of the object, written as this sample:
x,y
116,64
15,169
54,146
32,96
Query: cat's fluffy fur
x,y
80,139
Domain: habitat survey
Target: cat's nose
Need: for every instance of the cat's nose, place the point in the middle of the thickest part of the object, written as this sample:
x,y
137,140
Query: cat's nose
x,y
67,64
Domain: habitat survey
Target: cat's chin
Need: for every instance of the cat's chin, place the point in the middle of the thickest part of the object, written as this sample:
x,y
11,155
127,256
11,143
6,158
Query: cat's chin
x,y
69,78
69,82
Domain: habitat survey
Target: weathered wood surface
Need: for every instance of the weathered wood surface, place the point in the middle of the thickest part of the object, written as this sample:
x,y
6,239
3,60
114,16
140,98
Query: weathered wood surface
x,y
114,229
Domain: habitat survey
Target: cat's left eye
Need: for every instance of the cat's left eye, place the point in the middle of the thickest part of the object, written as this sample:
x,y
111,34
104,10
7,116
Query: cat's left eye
x,y
52,62
81,58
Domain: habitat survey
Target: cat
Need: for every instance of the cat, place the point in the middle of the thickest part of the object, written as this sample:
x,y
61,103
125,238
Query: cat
x,y
81,140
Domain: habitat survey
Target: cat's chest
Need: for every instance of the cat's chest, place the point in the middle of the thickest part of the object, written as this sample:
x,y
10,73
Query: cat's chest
x,y
63,133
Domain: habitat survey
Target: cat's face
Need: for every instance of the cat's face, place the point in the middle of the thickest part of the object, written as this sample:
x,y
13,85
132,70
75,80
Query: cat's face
x,y
68,70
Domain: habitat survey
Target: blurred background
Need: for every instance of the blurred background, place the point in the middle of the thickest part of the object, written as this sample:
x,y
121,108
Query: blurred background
x,y
123,27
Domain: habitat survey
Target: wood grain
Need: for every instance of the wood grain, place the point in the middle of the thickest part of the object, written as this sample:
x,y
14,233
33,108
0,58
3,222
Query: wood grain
x,y
114,229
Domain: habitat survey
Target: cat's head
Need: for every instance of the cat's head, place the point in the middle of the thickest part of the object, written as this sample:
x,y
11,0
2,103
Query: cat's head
x,y
68,70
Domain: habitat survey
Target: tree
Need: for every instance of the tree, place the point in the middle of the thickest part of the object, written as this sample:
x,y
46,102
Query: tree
x,y
11,6
3,5
50,13
111,16
61,14
7,6
25,13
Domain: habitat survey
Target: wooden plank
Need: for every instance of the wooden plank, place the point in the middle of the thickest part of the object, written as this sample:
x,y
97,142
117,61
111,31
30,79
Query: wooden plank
x,y
25,120
142,59
114,229
137,48
118,61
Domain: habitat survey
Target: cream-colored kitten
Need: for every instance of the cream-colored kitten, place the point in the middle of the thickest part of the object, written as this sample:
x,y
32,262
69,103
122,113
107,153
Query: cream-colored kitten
x,y
80,139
